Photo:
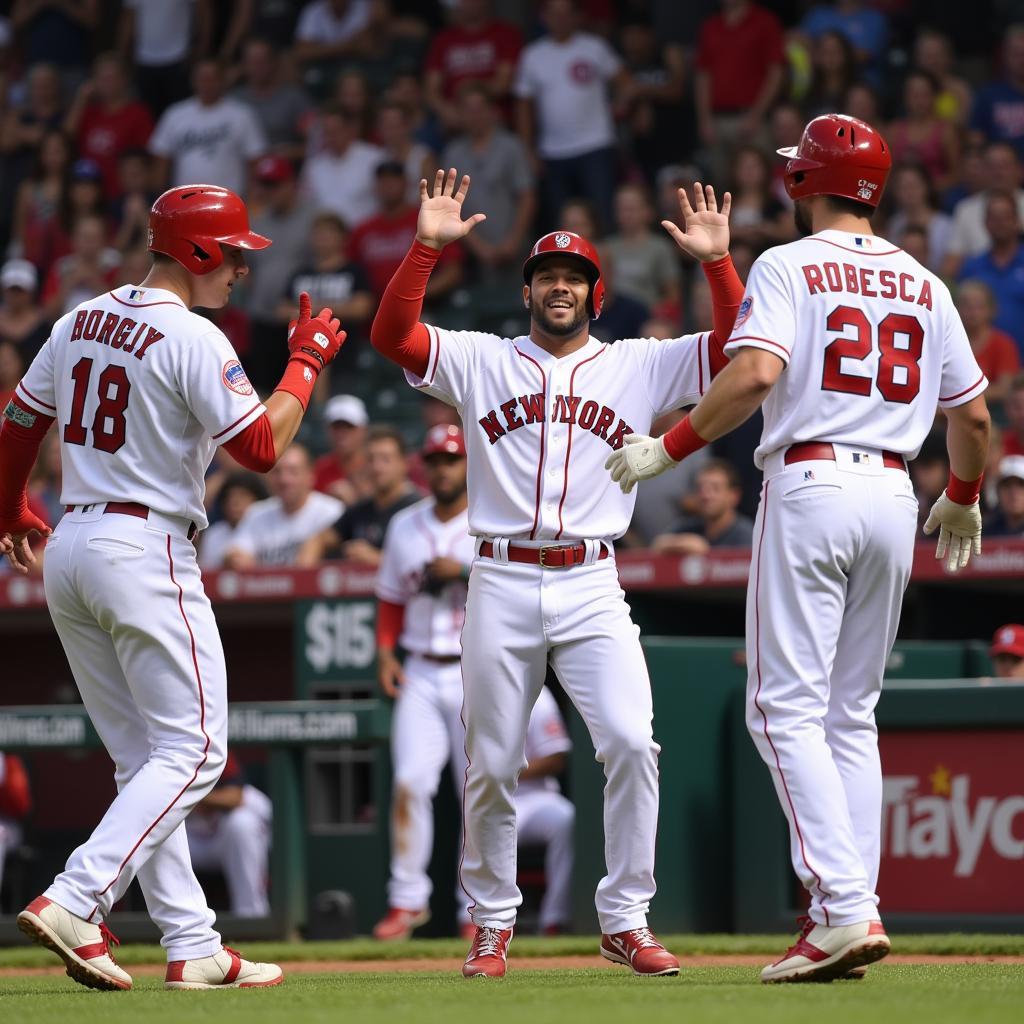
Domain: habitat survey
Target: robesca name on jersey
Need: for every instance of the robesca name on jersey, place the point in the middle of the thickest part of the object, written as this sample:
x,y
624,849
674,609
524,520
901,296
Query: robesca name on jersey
x,y
866,281
134,336
574,410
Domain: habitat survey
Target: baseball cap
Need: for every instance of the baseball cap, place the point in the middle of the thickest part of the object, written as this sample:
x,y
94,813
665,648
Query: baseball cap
x,y
19,274
273,170
1011,467
85,170
1008,639
445,438
346,409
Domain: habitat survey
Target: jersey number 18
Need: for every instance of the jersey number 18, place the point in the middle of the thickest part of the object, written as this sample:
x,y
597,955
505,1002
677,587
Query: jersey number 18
x,y
893,387
108,425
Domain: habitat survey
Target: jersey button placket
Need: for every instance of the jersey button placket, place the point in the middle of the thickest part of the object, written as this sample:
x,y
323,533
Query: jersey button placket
x,y
554,456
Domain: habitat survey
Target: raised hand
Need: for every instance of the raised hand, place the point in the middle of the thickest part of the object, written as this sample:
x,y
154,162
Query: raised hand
x,y
440,220
705,231
314,341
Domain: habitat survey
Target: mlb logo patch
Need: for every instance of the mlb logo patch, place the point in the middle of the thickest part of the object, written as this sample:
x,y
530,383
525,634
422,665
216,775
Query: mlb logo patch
x,y
861,458
136,294
808,474
862,243
235,379
743,313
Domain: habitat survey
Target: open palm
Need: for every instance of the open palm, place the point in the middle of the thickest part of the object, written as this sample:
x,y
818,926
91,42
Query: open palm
x,y
440,220
705,231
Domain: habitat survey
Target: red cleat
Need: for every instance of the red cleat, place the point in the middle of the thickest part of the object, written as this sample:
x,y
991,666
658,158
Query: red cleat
x,y
640,950
398,924
488,953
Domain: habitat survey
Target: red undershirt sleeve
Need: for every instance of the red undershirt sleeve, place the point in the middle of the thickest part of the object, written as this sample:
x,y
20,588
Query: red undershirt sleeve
x,y
21,433
396,331
726,296
254,446
390,617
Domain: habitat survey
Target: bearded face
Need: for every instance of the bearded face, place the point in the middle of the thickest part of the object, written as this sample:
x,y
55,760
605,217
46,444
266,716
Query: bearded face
x,y
557,297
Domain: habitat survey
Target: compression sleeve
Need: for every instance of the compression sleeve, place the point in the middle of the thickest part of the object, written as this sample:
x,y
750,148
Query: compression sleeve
x,y
726,295
390,618
254,446
396,331
21,433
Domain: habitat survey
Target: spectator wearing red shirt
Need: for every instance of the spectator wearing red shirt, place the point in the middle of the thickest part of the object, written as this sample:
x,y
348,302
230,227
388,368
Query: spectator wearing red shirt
x,y
740,68
341,473
380,243
106,120
995,350
476,47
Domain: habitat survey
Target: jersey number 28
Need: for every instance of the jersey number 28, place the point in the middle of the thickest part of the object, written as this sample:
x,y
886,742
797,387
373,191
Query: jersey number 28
x,y
894,387
108,425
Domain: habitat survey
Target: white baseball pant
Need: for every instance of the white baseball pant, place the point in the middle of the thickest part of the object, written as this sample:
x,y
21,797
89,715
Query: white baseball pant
x,y
546,817
833,546
127,601
236,842
518,617
426,733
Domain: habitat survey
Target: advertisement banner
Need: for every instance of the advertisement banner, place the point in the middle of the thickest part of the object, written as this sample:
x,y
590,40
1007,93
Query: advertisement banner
x,y
952,821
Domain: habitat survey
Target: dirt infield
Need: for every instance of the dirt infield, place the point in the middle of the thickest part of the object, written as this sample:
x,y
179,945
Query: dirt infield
x,y
547,963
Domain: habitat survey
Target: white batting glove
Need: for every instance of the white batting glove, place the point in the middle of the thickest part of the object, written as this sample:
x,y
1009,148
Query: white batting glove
x,y
639,458
959,531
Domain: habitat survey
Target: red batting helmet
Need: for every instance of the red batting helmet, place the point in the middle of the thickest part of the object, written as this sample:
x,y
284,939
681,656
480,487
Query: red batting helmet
x,y
190,222
838,156
445,438
565,243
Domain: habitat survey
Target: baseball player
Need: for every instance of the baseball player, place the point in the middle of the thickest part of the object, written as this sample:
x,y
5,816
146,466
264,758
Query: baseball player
x,y
421,590
229,831
421,602
15,803
542,412
143,390
849,343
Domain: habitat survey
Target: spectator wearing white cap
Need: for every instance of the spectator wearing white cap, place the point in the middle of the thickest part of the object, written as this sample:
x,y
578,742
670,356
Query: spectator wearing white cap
x,y
21,319
1007,652
1008,518
342,471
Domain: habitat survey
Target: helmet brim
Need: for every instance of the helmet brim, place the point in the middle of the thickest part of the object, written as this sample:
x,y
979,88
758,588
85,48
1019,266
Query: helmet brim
x,y
246,240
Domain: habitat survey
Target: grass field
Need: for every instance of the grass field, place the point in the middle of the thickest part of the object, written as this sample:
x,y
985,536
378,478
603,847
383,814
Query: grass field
x,y
939,993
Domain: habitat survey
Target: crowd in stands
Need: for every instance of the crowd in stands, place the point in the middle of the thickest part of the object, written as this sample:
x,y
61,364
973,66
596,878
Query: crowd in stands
x,y
586,115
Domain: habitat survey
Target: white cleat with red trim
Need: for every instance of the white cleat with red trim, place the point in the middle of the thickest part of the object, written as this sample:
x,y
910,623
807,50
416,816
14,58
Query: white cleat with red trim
x,y
225,969
824,954
84,947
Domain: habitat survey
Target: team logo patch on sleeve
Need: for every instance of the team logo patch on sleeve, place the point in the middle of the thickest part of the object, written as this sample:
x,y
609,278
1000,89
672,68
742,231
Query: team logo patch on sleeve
x,y
22,417
235,379
743,313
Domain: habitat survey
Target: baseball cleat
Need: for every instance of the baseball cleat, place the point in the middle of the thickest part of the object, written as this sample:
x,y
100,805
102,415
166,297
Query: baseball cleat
x,y
399,924
225,969
488,953
640,950
824,954
84,947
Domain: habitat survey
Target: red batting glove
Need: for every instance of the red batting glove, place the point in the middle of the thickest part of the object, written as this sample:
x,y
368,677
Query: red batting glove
x,y
314,342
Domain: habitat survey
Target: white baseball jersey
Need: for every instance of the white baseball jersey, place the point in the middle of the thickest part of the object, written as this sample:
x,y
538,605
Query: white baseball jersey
x,y
273,536
871,340
143,391
415,536
539,429
545,735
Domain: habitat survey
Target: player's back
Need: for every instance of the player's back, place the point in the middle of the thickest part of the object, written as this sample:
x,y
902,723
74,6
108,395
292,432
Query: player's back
x,y
142,390
872,341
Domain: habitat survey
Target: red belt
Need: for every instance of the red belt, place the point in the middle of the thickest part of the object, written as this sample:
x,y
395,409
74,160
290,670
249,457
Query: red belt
x,y
551,556
808,451
127,508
